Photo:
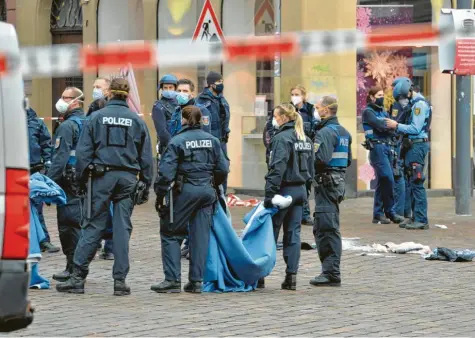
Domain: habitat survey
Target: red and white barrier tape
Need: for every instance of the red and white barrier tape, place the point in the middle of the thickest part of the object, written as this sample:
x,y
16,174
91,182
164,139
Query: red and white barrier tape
x,y
234,201
74,59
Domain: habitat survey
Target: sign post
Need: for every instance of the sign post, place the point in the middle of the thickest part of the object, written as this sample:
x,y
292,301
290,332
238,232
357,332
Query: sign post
x,y
457,56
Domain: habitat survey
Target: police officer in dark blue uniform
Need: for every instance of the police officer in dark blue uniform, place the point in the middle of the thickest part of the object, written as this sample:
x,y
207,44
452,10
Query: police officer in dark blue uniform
x,y
416,148
290,170
185,97
212,98
96,105
379,141
306,110
62,171
399,111
163,110
332,157
195,162
114,148
39,140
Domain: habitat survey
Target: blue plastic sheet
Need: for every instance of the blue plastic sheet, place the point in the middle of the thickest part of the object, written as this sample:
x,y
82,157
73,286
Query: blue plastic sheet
x,y
235,264
42,190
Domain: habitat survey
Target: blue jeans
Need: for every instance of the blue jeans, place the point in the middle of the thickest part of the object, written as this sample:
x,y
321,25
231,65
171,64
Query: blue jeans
x,y
415,161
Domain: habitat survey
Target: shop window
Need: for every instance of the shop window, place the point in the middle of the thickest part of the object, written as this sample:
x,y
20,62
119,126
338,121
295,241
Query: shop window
x,y
177,20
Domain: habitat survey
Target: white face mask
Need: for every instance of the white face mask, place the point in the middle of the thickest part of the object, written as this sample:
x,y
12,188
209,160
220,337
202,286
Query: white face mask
x,y
275,124
316,115
296,100
62,106
404,102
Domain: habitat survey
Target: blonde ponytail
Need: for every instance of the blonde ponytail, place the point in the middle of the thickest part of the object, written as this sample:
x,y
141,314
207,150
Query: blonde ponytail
x,y
299,127
288,109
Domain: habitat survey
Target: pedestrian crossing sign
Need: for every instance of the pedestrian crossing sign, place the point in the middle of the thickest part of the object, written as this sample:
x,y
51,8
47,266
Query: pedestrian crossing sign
x,y
208,29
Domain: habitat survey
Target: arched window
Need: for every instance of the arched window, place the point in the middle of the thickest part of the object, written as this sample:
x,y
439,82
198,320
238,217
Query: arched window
x,y
66,28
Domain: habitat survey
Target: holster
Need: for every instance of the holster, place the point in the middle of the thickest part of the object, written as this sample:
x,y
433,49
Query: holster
x,y
99,170
406,145
179,182
368,145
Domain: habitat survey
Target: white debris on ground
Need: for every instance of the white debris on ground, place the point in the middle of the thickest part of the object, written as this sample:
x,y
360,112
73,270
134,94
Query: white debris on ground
x,y
441,226
350,244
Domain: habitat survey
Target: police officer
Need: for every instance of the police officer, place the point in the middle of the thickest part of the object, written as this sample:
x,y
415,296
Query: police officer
x,y
96,105
332,157
100,88
306,110
185,97
212,98
416,146
39,140
399,112
163,110
114,148
195,162
62,171
379,141
290,168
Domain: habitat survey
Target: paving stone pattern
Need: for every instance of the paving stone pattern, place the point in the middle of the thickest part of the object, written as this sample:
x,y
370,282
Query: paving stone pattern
x,y
380,296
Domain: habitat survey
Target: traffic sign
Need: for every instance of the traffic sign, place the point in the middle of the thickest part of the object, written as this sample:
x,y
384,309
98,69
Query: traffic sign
x,y
208,28
264,19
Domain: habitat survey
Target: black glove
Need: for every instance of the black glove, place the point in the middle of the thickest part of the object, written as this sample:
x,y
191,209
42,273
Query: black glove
x,y
159,201
145,196
226,138
268,203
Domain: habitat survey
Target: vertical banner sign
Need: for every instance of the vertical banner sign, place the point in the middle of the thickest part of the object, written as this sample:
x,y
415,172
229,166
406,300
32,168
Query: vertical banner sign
x,y
465,56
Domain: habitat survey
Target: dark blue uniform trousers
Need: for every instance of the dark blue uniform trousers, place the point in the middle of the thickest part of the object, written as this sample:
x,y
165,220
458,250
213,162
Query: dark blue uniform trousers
x,y
326,227
69,223
417,154
117,187
41,218
380,159
224,147
192,215
291,219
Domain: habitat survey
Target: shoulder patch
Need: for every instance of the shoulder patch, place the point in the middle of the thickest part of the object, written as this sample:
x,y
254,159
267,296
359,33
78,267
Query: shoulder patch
x,y
417,111
394,112
205,120
316,146
58,142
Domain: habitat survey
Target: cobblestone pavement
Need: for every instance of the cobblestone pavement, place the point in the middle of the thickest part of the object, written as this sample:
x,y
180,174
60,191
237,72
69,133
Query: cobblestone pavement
x,y
380,296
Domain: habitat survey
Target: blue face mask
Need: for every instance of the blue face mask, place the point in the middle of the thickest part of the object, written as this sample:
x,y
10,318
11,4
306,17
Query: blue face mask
x,y
97,94
182,98
169,94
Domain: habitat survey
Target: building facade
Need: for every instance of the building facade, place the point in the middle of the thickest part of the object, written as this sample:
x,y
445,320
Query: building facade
x,y
253,88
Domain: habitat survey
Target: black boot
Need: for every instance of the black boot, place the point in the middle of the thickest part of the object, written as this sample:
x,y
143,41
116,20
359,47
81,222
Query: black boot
x,y
193,287
395,218
261,283
75,284
290,282
121,288
324,280
381,220
167,287
64,276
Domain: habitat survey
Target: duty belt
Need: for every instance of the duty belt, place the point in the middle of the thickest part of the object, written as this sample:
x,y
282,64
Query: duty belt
x,y
388,142
419,140
113,168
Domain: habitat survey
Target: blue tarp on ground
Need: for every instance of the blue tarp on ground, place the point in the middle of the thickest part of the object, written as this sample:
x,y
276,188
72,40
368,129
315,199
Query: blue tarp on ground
x,y
234,263
42,190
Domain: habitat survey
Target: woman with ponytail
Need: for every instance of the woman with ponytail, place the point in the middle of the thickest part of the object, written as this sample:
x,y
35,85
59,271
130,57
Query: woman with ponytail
x,y
290,169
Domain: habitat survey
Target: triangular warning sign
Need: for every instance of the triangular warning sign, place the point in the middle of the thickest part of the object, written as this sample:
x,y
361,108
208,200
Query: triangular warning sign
x,y
208,29
264,19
